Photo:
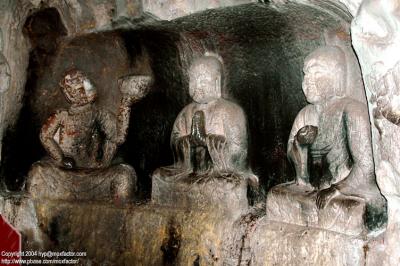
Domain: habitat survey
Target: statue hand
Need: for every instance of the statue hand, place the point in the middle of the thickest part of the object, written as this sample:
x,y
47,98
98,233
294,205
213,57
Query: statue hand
x,y
216,142
68,163
326,195
307,134
183,143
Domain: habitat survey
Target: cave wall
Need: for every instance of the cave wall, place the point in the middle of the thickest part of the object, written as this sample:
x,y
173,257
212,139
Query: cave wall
x,y
263,47
247,83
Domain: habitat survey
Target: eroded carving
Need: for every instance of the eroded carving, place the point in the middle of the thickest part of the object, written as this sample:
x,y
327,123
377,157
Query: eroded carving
x,y
209,136
330,144
82,142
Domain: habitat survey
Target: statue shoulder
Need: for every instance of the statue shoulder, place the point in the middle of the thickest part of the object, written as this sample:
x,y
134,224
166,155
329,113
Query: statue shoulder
x,y
355,108
186,109
308,115
231,107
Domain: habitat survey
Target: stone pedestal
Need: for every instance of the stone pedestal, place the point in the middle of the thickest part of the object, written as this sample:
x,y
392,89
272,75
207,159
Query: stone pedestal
x,y
274,243
47,181
294,204
215,194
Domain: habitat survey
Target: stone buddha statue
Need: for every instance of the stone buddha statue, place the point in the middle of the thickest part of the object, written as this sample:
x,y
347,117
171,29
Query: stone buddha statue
x,y
330,143
81,143
209,136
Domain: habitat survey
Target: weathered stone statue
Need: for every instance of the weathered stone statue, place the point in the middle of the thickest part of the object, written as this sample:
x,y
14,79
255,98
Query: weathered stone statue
x,y
209,136
82,142
330,144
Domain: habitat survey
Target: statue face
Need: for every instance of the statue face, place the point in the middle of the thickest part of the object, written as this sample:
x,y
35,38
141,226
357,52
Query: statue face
x,y
205,82
78,89
318,82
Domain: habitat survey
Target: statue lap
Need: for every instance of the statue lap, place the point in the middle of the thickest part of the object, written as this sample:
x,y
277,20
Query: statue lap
x,y
48,181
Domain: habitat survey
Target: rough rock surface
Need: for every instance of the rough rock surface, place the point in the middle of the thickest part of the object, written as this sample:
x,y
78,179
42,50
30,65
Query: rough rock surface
x,y
297,205
218,194
376,40
136,235
274,243
172,9
158,235
86,16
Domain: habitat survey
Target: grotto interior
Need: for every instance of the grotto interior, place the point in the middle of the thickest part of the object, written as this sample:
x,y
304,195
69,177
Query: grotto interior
x,y
263,46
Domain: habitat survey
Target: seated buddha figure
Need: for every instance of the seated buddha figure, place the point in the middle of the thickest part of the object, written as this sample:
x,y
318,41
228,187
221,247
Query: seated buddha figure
x,y
81,142
330,148
209,136
330,142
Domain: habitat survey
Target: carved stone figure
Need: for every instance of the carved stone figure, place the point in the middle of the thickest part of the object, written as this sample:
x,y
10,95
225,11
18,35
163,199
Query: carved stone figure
x,y
330,144
209,136
82,142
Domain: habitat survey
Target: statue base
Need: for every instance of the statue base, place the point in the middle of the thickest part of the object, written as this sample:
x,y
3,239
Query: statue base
x,y
296,204
47,181
277,243
217,193
148,234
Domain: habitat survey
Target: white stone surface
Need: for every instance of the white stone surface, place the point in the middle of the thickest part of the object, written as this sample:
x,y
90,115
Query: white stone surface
x,y
171,9
376,39
274,243
295,204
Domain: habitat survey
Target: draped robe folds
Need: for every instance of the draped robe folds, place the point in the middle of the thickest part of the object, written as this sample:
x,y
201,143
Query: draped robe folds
x,y
343,137
223,118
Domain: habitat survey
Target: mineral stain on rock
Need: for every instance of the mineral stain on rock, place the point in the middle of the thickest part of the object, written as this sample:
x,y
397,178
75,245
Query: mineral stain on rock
x,y
171,244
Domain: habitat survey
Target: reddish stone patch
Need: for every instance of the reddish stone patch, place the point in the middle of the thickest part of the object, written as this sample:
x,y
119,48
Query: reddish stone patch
x,y
10,243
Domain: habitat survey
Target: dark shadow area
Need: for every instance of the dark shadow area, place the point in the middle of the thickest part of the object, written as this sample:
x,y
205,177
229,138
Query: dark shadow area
x,y
148,142
21,145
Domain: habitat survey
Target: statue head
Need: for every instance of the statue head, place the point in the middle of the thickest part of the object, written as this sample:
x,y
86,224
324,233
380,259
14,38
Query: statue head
x,y
324,74
205,79
77,88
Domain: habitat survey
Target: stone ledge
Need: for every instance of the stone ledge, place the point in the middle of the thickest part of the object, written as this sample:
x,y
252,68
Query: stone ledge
x,y
217,194
133,234
274,243
295,204
142,234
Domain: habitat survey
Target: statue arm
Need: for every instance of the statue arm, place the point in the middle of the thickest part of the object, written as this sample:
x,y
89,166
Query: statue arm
x,y
360,148
297,153
47,133
123,117
180,143
106,121
236,136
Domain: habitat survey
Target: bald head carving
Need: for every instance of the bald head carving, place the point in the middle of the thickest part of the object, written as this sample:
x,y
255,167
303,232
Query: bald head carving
x,y
205,79
324,74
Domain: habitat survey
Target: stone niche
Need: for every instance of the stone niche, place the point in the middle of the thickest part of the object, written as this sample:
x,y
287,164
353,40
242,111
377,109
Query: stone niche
x,y
263,47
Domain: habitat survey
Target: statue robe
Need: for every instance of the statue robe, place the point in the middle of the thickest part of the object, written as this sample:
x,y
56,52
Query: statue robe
x,y
223,118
